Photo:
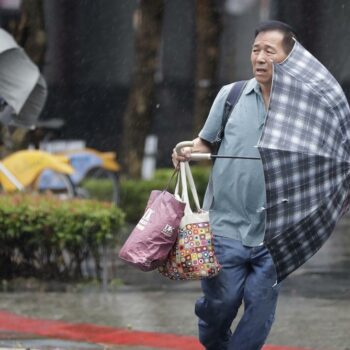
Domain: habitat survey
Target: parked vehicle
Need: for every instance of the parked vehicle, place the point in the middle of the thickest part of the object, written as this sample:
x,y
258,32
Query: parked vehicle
x,y
21,171
95,175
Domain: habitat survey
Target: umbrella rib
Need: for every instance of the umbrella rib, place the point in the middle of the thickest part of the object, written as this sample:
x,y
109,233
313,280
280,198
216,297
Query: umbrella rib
x,y
306,153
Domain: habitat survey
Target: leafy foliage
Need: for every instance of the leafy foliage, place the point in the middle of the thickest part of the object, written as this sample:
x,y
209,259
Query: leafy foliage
x,y
100,189
43,236
135,193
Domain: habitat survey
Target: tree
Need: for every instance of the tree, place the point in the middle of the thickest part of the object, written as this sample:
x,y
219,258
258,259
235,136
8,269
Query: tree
x,y
30,30
208,30
138,115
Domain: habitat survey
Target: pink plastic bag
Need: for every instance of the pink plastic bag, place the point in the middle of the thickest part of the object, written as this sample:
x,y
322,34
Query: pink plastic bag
x,y
153,237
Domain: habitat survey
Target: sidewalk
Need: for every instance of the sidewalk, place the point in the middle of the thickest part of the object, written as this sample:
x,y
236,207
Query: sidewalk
x,y
302,322
150,312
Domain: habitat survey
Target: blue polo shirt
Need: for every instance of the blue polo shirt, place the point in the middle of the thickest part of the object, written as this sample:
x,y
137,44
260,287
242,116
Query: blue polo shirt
x,y
238,184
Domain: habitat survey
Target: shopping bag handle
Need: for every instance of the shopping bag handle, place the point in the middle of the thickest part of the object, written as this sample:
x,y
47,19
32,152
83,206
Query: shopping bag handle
x,y
176,172
192,186
180,182
185,178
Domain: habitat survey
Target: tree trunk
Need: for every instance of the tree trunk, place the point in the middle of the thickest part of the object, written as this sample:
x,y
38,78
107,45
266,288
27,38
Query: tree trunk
x,y
208,29
138,114
30,32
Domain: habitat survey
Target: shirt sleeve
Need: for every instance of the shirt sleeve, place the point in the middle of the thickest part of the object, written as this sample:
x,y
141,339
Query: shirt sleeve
x,y
214,120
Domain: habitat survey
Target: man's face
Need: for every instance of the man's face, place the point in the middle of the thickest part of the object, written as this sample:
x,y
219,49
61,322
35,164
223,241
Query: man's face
x,y
267,48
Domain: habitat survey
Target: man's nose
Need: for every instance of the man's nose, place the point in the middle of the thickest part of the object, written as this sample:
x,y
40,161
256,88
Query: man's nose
x,y
261,57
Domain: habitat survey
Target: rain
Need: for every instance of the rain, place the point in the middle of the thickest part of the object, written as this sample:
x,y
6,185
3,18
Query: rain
x,y
94,97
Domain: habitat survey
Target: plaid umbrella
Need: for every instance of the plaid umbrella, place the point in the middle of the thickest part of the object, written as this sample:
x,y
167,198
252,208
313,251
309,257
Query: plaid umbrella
x,y
21,85
305,150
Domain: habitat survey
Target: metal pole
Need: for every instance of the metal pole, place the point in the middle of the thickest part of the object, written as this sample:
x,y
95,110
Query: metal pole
x,y
208,156
11,177
104,267
234,157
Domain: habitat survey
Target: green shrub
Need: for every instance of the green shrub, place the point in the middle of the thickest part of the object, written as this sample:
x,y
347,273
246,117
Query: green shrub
x,y
135,193
44,236
100,189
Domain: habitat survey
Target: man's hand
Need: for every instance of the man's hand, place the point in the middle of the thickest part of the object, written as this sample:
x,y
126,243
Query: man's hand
x,y
185,156
199,146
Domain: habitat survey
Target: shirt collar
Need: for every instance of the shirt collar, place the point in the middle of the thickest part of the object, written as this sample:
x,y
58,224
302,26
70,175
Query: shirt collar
x,y
252,85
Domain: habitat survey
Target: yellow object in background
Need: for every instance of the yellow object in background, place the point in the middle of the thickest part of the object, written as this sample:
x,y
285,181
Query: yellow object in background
x,y
27,165
109,159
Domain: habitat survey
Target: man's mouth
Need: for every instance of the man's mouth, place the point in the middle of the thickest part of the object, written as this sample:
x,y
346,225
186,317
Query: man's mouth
x,y
260,70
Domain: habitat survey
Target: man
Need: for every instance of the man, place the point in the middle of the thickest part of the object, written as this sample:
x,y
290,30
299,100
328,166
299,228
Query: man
x,y
248,274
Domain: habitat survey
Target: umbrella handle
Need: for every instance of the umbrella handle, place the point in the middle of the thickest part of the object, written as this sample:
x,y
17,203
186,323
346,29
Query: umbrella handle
x,y
200,156
194,156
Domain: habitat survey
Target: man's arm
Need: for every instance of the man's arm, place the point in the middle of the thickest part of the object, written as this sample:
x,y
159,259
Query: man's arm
x,y
199,146
208,134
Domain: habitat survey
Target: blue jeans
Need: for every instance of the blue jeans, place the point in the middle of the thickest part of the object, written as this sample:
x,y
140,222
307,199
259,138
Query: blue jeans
x,y
248,275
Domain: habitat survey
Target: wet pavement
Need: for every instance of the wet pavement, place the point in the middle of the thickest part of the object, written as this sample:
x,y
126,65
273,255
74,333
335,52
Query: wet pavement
x,y
16,340
313,310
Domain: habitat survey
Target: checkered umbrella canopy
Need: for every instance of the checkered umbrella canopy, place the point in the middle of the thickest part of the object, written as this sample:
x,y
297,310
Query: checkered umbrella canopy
x,y
305,150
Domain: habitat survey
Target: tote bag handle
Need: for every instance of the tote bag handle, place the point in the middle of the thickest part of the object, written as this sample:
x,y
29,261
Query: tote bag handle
x,y
185,178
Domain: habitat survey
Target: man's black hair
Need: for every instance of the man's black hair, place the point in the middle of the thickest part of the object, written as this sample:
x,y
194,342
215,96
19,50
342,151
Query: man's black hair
x,y
289,34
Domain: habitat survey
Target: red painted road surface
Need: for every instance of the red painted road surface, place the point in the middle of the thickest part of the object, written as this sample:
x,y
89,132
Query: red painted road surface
x,y
103,334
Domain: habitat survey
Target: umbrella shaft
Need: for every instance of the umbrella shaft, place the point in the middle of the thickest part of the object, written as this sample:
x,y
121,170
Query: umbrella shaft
x,y
234,157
